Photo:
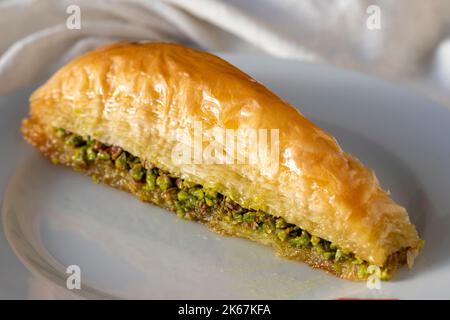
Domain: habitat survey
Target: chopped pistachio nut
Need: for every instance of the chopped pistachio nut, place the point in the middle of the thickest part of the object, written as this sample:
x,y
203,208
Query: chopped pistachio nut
x,y
269,226
198,193
79,155
282,234
121,161
280,223
183,195
91,155
150,180
211,194
328,255
357,260
209,202
237,217
103,155
184,184
362,271
137,172
385,275
260,216
249,217
163,182
315,241
301,241
339,255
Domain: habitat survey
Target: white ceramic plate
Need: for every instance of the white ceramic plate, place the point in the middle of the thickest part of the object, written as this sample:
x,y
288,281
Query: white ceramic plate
x,y
53,217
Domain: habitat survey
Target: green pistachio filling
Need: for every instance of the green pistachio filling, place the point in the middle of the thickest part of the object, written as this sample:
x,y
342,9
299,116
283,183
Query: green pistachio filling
x,y
193,202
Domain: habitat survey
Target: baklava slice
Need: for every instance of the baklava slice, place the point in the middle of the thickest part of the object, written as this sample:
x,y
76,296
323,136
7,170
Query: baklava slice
x,y
115,114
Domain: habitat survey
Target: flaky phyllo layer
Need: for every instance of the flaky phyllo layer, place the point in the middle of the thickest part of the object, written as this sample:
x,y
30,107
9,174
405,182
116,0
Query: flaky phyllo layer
x,y
116,167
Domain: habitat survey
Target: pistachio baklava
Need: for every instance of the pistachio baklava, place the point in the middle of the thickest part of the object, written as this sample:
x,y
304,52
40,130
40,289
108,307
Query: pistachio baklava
x,y
113,114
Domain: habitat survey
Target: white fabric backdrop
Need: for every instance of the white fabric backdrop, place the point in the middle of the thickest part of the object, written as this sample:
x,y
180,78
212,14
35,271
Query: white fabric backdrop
x,y
412,46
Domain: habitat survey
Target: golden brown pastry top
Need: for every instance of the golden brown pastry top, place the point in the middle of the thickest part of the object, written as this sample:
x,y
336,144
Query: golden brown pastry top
x,y
136,95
